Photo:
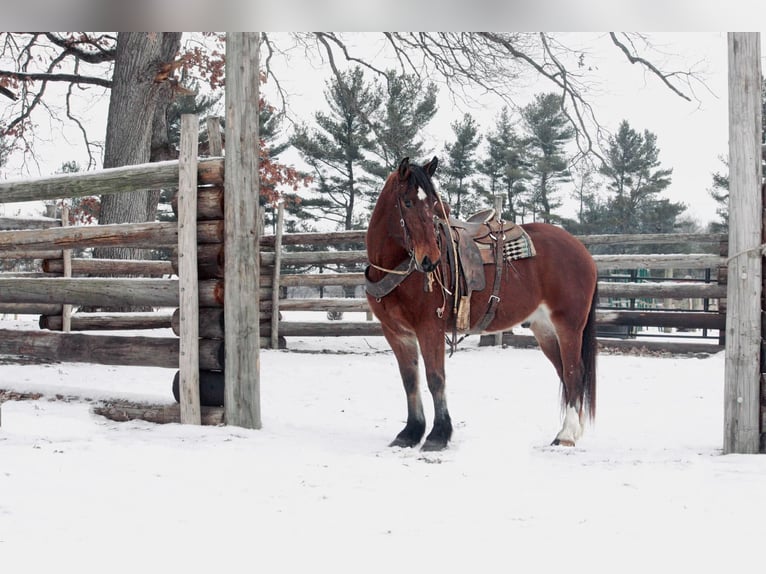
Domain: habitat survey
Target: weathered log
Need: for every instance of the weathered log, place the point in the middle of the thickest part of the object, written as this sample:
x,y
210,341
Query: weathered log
x,y
211,322
111,267
31,308
115,180
661,290
106,349
321,279
324,304
651,238
673,261
209,203
139,235
331,238
31,254
679,319
105,292
316,257
528,341
17,223
110,322
122,411
210,261
210,388
331,329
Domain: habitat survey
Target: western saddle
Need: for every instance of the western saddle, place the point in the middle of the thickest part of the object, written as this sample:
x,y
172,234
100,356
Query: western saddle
x,y
483,239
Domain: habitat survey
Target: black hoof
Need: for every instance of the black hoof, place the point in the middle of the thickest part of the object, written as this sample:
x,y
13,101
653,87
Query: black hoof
x,y
410,436
403,442
555,442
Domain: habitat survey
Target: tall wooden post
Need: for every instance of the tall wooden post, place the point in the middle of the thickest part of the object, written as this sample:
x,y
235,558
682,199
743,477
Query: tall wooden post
x,y
188,364
743,317
242,235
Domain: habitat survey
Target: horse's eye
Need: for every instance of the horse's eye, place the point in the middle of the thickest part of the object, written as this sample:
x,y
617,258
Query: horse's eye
x,y
407,203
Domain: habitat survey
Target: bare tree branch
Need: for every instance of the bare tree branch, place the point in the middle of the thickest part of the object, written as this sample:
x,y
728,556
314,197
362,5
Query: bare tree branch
x,y
635,59
58,77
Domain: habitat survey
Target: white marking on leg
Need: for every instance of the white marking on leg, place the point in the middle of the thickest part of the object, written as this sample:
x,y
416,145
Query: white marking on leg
x,y
571,432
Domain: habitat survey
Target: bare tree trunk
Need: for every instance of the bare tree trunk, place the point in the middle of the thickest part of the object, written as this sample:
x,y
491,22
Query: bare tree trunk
x,y
137,114
143,63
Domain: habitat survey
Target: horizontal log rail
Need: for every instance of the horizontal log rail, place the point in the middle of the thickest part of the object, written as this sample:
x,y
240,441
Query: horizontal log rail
x,y
652,238
105,292
31,308
110,267
667,290
17,223
108,322
29,254
141,235
688,319
113,180
125,350
671,261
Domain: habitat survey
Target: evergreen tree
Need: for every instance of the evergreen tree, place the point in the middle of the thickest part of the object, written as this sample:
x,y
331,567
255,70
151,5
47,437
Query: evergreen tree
x,y
336,147
720,192
505,165
408,105
634,177
720,189
549,131
461,165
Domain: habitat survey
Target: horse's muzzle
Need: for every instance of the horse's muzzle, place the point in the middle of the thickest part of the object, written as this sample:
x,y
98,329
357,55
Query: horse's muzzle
x,y
427,265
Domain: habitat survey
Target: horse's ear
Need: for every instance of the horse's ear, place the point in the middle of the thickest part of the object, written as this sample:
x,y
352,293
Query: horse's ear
x,y
431,166
404,165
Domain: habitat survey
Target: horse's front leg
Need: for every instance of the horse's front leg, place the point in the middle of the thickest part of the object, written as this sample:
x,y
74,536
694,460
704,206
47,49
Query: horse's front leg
x,y
432,349
405,350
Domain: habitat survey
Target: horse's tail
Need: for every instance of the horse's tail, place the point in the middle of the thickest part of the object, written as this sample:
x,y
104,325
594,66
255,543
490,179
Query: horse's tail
x,y
588,355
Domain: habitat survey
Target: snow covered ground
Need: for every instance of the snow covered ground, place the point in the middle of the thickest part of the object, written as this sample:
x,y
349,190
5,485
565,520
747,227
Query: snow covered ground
x,y
318,490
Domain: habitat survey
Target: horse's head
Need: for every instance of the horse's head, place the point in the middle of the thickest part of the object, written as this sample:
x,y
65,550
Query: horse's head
x,y
419,207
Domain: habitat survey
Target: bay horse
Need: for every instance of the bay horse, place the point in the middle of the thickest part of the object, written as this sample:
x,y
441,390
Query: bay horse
x,y
412,289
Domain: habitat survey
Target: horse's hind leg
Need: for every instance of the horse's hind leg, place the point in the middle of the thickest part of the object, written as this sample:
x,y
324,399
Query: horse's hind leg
x,y
405,350
562,347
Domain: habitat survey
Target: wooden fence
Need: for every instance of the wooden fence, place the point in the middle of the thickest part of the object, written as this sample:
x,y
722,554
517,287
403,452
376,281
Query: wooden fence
x,y
61,281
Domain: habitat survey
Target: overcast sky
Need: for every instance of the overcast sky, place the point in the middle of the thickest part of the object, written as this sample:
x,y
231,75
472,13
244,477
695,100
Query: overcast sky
x,y
690,135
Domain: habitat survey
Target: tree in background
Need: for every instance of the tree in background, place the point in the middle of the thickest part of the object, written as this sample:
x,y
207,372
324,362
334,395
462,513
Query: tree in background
x,y
460,165
505,166
720,189
635,179
549,131
408,104
336,148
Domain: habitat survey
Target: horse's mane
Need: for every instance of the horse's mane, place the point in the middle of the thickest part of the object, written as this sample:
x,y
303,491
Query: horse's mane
x,y
422,180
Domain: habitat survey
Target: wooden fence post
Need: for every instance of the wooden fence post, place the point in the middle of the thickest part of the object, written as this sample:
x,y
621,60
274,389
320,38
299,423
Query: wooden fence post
x,y
277,272
188,389
66,310
242,233
743,317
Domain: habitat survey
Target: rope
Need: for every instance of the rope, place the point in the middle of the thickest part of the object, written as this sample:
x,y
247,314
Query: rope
x,y
394,271
758,248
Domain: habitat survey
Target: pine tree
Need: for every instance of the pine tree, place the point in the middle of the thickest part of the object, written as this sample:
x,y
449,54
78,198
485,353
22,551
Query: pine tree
x,y
336,147
505,165
549,131
461,164
408,105
634,177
